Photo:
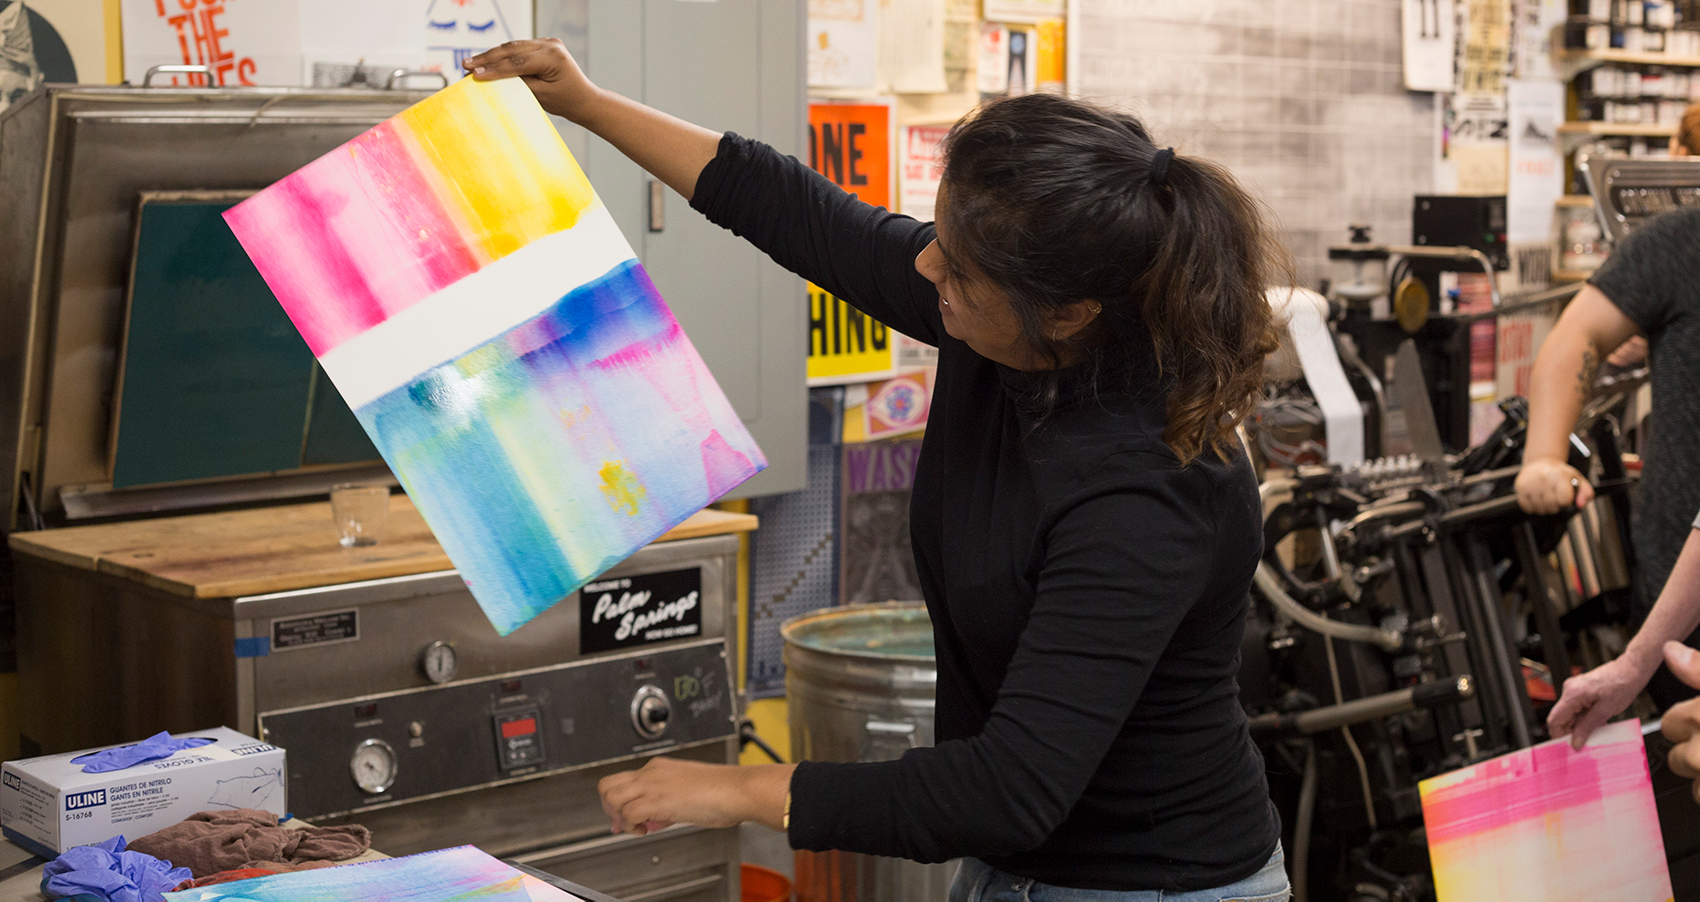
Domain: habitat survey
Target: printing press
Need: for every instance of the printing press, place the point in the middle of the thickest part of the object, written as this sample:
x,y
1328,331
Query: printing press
x,y
1408,618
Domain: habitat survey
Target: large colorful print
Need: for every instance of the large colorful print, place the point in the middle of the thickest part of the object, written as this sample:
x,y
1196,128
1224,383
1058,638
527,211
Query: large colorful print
x,y
1551,824
471,298
461,874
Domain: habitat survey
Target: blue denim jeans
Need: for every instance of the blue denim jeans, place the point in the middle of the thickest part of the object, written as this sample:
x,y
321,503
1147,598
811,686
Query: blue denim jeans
x,y
978,881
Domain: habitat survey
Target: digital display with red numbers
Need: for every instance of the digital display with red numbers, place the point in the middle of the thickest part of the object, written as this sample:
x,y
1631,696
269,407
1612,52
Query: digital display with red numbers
x,y
514,728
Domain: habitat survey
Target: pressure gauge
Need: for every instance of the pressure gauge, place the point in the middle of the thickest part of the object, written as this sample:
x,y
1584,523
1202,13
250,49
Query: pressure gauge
x,y
373,766
439,663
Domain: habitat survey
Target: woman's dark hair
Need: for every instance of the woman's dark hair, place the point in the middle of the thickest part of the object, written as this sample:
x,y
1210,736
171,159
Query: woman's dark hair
x,y
1053,201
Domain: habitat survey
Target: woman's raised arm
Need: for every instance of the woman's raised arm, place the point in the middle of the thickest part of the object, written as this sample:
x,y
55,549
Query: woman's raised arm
x,y
670,148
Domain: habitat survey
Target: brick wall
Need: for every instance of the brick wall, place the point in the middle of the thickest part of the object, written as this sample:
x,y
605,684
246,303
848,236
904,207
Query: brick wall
x,y
1303,100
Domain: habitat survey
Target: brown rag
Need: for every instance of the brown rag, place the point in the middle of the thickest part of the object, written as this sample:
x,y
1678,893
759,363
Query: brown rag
x,y
214,841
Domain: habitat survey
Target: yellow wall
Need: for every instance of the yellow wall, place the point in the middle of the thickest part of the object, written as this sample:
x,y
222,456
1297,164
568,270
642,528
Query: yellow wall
x,y
769,716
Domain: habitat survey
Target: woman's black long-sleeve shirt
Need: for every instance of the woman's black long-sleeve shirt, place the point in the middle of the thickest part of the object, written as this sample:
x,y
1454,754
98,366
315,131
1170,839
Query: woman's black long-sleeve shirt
x,y
1088,594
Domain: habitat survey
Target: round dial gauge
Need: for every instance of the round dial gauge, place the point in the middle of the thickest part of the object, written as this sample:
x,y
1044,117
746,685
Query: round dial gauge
x,y
439,662
373,766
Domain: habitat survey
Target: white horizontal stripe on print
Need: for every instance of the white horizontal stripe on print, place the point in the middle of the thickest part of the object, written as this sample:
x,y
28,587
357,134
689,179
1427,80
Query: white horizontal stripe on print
x,y
475,309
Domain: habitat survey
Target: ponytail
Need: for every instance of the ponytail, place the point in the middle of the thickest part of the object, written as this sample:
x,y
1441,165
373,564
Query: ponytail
x,y
1202,299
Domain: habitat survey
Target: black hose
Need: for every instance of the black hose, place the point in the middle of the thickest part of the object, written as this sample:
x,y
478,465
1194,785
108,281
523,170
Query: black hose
x,y
747,735
1301,827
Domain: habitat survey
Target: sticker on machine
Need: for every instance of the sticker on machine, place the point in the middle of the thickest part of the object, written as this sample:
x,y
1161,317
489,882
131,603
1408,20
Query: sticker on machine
x,y
629,611
315,629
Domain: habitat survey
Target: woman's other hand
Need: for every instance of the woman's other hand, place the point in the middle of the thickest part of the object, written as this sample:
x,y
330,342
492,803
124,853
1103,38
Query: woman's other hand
x,y
1549,486
547,68
669,791
1592,698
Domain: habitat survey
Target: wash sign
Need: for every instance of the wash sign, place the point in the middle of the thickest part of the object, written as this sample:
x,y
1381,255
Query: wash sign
x,y
850,143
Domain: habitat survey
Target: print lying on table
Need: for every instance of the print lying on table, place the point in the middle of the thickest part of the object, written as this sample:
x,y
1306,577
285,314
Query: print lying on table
x,y
1549,823
460,874
470,297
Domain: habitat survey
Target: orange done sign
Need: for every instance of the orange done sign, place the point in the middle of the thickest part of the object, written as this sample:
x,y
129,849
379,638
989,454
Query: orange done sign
x,y
850,143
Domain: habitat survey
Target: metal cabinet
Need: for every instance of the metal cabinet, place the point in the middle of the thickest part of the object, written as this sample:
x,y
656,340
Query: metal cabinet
x,y
728,65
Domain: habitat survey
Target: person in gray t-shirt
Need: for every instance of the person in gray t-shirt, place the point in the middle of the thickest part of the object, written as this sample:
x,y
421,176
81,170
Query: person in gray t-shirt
x,y
1650,285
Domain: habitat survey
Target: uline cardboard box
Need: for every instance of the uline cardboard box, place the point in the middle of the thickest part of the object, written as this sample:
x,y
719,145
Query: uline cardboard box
x,y
48,804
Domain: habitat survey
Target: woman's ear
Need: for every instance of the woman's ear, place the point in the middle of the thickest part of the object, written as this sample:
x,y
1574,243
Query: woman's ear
x,y
1068,321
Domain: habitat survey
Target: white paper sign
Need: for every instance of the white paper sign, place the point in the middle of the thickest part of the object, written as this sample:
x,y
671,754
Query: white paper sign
x,y
912,46
1429,37
243,42
919,169
351,44
843,44
1538,21
453,30
1025,10
1536,179
992,76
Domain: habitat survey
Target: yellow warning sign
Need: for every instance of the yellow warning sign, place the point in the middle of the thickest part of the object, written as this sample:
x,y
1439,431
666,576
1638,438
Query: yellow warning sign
x,y
846,345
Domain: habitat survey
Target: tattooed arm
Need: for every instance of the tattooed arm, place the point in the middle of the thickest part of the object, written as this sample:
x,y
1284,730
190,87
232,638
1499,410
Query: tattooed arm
x,y
1591,327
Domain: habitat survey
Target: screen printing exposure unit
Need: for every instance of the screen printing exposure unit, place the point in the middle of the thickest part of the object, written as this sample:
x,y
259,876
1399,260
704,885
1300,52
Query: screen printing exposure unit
x,y
398,705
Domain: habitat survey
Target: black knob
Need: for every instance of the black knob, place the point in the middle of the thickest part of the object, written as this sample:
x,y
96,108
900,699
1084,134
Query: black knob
x,y
659,714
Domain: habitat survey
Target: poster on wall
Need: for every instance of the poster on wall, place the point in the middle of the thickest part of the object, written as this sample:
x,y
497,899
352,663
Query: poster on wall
x,y
1537,22
1025,10
1019,79
1484,60
1536,178
912,47
993,67
59,41
920,169
1475,142
850,144
456,29
1050,55
359,45
843,44
876,562
243,43
1429,37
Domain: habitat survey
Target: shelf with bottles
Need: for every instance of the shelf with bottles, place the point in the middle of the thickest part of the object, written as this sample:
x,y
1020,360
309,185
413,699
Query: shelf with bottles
x,y
1616,129
1630,100
1572,63
1644,32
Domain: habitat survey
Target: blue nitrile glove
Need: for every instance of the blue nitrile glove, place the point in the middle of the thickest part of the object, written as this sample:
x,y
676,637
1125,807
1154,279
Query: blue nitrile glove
x,y
154,747
106,871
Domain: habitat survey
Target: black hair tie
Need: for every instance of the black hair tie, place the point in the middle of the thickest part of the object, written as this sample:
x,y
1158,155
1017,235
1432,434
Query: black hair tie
x,y
1160,165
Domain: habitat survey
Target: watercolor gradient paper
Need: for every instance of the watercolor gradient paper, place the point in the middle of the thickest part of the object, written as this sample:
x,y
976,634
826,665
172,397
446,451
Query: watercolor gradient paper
x,y
1551,824
470,297
461,874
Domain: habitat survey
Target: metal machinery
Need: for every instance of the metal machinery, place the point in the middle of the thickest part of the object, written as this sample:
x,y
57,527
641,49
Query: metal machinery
x,y
1626,192
399,706
1408,619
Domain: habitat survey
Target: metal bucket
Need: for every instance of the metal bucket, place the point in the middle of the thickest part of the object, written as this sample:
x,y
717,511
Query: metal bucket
x,y
859,684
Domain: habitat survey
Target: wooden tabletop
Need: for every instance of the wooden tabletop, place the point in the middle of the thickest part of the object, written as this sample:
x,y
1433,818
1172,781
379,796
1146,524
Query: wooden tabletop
x,y
271,549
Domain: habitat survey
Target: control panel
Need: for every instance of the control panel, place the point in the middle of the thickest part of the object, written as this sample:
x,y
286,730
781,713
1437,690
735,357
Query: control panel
x,y
1628,192
460,735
